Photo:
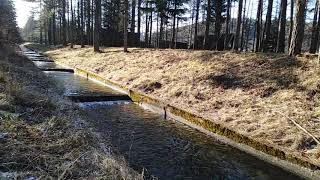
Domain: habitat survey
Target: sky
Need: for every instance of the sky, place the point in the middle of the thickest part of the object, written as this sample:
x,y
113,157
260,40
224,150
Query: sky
x,y
23,10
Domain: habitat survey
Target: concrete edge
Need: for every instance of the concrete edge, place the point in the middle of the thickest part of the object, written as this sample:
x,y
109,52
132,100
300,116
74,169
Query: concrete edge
x,y
263,151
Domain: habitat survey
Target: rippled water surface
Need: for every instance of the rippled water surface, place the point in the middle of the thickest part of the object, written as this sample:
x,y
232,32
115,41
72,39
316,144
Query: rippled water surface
x,y
170,150
76,85
47,65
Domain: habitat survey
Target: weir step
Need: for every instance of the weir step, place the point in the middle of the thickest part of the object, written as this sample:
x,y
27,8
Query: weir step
x,y
57,69
100,98
41,60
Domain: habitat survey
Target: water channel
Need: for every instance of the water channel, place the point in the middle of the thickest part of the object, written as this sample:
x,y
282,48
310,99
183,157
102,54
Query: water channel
x,y
163,148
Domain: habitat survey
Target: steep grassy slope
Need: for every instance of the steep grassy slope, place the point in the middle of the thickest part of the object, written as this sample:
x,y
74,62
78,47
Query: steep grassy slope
x,y
40,133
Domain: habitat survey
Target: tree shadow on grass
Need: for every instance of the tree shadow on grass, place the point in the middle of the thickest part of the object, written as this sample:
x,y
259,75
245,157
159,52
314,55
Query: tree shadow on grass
x,y
267,75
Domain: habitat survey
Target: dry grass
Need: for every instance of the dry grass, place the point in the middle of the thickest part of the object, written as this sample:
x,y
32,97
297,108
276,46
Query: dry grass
x,y
247,92
40,135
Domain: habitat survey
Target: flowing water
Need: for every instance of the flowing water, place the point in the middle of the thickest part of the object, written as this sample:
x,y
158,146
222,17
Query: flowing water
x,y
164,149
76,85
47,65
171,150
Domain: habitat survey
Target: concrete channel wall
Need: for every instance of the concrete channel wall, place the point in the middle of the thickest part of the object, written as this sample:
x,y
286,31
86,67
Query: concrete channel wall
x,y
266,152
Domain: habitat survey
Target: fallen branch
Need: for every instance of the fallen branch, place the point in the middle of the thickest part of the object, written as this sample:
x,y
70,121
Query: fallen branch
x,y
299,126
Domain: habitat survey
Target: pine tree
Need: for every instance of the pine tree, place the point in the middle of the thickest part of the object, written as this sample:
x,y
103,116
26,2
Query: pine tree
x,y
133,16
218,8
64,24
315,29
97,25
208,20
258,26
88,16
161,6
81,24
175,11
282,27
239,21
139,18
291,22
195,45
298,28
125,26
267,34
9,33
227,30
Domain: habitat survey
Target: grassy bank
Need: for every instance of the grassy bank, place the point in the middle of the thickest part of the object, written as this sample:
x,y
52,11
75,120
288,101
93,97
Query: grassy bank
x,y
257,95
40,133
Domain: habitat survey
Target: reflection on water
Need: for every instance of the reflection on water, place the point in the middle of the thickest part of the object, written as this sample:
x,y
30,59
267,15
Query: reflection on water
x,y
47,65
170,150
76,85
93,105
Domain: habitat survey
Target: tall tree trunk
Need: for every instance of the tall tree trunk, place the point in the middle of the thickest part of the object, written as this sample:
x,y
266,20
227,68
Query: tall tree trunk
x,y
237,36
72,25
218,23
173,38
161,30
46,37
190,40
166,36
208,20
226,39
282,27
133,16
54,24
232,13
298,29
291,23
147,29
195,45
64,24
315,29
125,26
92,21
88,15
247,34
78,23
267,36
68,21
258,26
177,33
82,24
97,25
139,19
157,31
243,26
150,34
60,36
50,31
40,23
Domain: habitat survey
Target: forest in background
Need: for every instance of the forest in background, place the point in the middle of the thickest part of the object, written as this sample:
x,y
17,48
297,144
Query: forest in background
x,y
258,26
9,31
